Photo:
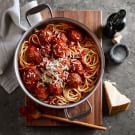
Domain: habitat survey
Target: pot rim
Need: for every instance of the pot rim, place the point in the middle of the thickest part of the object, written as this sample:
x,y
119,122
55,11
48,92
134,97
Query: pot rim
x,y
47,21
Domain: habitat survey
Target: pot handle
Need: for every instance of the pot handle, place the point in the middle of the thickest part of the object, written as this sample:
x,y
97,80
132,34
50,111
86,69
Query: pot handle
x,y
80,114
37,9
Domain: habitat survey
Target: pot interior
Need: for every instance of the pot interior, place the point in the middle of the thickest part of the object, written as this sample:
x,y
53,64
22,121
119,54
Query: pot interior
x,y
42,24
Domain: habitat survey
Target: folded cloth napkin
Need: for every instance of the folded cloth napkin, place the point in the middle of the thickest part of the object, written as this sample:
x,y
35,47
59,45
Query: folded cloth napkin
x,y
12,26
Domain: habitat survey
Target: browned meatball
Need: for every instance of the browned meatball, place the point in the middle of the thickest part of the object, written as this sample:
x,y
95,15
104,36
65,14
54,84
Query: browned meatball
x,y
34,55
63,37
74,80
45,35
41,92
31,76
46,50
60,49
55,89
77,66
75,35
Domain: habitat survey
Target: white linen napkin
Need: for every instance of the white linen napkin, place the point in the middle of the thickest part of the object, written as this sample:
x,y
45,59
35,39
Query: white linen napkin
x,y
13,25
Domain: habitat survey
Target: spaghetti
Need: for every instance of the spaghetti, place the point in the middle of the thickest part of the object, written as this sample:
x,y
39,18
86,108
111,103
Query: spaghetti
x,y
59,64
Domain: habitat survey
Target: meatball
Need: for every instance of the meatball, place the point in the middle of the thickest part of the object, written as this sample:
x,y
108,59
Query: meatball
x,y
41,92
77,66
60,49
75,35
63,37
55,89
59,38
30,78
46,50
45,36
74,80
33,55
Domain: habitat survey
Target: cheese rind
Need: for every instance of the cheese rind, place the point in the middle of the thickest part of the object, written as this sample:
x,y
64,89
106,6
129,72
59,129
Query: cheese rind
x,y
115,100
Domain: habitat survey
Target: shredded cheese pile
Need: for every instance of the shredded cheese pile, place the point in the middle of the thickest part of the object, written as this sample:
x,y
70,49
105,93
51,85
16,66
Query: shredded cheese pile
x,y
54,70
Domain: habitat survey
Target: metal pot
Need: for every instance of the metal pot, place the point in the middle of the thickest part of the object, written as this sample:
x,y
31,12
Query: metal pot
x,y
39,25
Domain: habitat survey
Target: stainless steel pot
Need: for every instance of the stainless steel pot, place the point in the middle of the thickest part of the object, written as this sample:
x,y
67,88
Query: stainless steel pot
x,y
40,25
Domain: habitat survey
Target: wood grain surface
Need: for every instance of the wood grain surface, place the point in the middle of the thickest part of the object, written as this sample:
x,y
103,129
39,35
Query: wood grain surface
x,y
92,19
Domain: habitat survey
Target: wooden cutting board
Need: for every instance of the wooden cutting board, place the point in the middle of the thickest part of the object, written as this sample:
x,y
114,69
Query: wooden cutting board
x,y
93,20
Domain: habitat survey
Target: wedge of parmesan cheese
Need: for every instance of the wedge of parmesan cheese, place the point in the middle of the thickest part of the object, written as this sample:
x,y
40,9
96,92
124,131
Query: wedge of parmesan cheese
x,y
115,100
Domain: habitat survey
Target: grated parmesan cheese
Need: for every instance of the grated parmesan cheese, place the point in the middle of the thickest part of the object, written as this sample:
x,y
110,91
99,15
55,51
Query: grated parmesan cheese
x,y
51,73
